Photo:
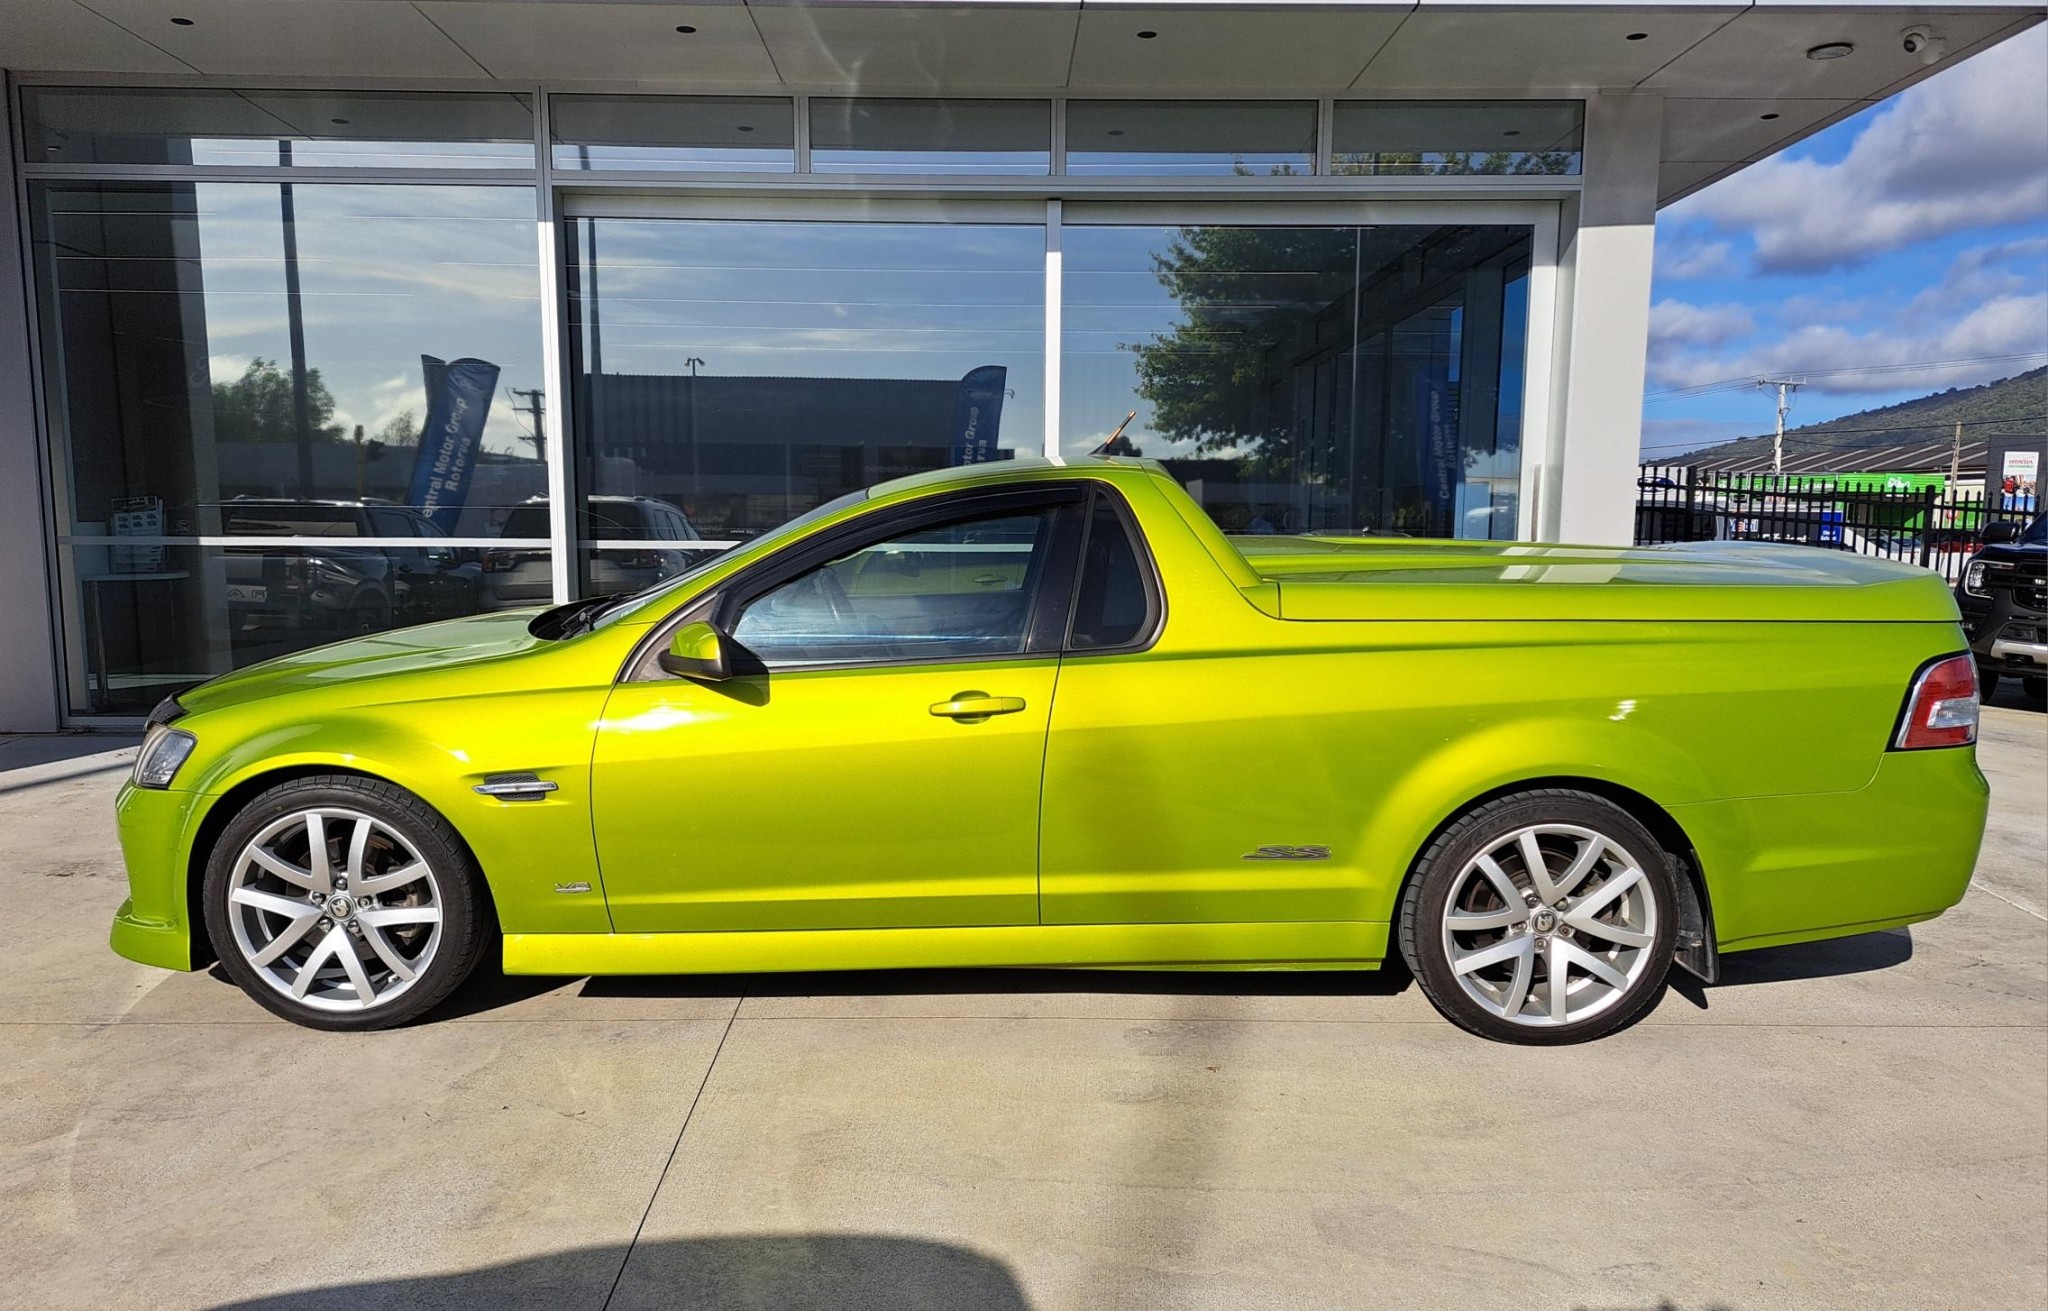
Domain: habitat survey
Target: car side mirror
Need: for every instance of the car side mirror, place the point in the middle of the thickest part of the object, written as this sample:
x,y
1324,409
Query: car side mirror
x,y
697,651
2000,532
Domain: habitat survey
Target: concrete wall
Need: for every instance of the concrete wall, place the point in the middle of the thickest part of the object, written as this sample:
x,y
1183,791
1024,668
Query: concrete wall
x,y
1587,486
28,672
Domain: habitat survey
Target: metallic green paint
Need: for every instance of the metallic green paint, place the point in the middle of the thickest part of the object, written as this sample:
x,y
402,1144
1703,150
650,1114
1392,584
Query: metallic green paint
x,y
1348,694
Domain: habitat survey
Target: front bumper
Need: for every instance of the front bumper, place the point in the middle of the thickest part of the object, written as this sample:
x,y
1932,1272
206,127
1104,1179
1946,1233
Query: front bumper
x,y
154,926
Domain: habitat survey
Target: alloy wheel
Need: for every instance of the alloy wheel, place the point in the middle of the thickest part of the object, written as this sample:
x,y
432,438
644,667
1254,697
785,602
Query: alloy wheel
x,y
1550,925
334,909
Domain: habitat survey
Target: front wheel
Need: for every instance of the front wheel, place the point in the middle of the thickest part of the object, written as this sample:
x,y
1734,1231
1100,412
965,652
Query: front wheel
x,y
344,903
1542,918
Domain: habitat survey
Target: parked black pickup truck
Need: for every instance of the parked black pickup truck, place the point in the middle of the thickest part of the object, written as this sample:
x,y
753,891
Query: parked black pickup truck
x,y
2004,600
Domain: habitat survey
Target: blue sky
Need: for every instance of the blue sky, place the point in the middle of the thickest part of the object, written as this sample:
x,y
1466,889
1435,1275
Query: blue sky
x,y
1909,243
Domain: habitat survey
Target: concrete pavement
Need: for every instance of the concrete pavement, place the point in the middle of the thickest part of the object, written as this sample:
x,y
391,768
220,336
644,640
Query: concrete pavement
x,y
1850,1124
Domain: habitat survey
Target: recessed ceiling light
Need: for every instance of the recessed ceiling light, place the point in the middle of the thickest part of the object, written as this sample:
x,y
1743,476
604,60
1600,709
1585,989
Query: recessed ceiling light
x,y
181,22
744,127
1766,117
1147,35
685,28
338,122
1116,131
53,147
1831,50
1512,132
1638,36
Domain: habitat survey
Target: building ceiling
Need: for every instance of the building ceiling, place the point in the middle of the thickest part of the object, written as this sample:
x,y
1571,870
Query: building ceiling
x,y
1736,75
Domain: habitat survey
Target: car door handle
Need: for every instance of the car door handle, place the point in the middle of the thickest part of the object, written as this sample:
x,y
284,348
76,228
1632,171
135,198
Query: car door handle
x,y
977,705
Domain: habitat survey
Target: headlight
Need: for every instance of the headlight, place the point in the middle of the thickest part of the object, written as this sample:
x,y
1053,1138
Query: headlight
x,y
163,751
1973,579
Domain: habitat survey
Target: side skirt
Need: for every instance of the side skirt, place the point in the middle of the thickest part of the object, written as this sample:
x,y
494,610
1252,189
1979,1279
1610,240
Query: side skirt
x,y
1355,945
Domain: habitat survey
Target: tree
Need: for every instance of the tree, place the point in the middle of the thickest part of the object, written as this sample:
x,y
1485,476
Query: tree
x,y
1250,301
402,429
258,406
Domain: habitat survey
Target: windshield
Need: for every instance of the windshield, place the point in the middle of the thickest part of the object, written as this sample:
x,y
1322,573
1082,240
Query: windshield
x,y
620,607
2037,532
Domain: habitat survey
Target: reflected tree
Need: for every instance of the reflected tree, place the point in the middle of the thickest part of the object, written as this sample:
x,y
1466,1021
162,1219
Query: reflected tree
x,y
1250,300
257,407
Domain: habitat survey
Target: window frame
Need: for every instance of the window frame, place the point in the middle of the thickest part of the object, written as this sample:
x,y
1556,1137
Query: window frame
x,y
1051,610
1148,578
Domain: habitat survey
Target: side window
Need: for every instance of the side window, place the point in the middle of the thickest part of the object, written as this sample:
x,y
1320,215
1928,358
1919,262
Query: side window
x,y
960,590
1110,608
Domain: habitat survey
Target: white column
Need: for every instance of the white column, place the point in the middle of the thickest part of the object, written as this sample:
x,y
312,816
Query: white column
x,y
1588,487
28,652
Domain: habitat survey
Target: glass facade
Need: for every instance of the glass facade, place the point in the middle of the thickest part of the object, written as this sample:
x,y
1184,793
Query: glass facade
x,y
741,372
284,409
1306,379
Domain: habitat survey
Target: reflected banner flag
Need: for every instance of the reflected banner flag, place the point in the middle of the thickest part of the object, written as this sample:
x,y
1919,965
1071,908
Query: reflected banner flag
x,y
978,414
458,400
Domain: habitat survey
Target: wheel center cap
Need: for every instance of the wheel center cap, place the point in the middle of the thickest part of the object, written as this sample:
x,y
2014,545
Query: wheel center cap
x,y
1545,920
340,907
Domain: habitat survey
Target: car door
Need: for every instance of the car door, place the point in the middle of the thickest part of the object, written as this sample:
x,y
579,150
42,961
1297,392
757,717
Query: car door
x,y
875,759
1183,784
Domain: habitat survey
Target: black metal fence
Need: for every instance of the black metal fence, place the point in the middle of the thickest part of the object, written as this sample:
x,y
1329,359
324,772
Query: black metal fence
x,y
1906,517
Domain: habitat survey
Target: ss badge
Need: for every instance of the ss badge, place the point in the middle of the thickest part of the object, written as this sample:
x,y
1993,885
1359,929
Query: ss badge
x,y
1289,853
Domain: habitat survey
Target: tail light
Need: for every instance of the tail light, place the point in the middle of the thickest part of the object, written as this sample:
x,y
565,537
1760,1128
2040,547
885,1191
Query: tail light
x,y
1941,707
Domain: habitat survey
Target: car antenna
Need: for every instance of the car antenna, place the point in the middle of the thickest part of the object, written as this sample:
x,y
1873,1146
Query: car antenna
x,y
1109,447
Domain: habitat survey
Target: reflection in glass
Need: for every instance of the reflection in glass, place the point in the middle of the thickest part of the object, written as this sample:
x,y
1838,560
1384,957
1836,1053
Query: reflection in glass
x,y
930,136
740,373
1449,137
953,592
206,343
693,134
1327,379
141,623
1217,138
301,129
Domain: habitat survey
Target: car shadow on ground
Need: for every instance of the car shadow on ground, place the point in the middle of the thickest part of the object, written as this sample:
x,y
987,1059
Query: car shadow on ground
x,y
767,1272
491,990
1832,958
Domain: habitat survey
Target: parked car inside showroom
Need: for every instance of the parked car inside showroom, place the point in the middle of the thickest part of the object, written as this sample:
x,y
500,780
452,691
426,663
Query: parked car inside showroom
x,y
515,577
2003,596
1048,714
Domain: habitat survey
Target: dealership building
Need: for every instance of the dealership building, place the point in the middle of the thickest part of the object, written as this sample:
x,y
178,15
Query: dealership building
x,y
319,317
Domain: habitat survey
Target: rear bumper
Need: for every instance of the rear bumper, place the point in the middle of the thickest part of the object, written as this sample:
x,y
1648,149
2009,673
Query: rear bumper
x,y
1797,868
154,926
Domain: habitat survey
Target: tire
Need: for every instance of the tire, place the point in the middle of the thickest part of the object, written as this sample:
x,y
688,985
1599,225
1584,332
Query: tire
x,y
1987,684
374,935
2035,688
1614,947
368,615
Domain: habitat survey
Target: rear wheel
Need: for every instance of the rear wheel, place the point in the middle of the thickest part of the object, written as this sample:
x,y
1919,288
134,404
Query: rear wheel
x,y
1545,917
344,903
2036,688
1987,684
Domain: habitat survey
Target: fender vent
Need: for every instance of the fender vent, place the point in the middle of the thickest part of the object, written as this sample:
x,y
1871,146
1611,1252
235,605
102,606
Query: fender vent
x,y
515,787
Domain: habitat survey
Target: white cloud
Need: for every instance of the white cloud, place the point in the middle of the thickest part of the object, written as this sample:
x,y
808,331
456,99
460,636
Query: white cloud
x,y
2005,326
1688,259
1678,321
1964,149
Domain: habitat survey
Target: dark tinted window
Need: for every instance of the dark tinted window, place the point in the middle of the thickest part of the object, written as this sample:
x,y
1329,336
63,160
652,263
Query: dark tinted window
x,y
1110,609
957,591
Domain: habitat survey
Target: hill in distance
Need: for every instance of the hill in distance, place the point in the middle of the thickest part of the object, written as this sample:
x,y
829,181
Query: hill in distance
x,y
2018,404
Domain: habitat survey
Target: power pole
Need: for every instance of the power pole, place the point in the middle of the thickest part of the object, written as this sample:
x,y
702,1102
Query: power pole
x,y
1955,460
536,409
1785,386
